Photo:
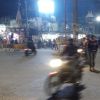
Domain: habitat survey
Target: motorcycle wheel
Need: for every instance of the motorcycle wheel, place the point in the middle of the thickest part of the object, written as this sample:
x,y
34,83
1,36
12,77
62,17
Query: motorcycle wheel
x,y
26,53
52,85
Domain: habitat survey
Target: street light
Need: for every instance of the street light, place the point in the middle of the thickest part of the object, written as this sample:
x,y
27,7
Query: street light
x,y
46,6
98,18
97,28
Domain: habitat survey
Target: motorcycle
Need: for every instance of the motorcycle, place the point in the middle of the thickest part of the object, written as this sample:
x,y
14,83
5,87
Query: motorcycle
x,y
68,71
28,51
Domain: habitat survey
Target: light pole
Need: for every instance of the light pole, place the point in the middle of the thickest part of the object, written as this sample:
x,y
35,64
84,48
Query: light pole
x,y
98,18
65,22
75,19
26,14
97,24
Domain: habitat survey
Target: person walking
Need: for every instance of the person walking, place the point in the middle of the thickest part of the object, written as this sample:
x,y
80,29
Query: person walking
x,y
99,43
92,48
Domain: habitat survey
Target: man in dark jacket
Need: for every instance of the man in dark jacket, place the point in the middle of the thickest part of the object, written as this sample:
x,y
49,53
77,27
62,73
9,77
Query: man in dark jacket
x,y
92,50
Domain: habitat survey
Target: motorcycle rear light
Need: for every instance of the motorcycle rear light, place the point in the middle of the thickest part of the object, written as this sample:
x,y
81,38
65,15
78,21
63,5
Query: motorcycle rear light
x,y
25,49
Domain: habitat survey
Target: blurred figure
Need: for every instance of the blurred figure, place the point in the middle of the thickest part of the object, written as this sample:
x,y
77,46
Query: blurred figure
x,y
45,44
99,42
16,41
70,49
69,93
1,43
50,43
84,42
54,44
30,45
39,44
4,41
11,43
92,51
84,46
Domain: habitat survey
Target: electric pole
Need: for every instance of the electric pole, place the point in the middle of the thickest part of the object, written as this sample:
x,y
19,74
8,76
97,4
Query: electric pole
x,y
75,19
26,14
65,15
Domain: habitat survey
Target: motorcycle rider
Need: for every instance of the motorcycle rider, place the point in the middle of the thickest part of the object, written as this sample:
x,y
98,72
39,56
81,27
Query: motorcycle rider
x,y
74,66
30,45
69,72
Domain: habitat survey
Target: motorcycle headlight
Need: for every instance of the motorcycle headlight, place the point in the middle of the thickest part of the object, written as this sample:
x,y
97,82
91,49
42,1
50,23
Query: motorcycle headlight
x,y
56,63
80,50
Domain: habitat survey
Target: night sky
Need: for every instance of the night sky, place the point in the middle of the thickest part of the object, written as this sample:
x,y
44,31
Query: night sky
x,y
9,8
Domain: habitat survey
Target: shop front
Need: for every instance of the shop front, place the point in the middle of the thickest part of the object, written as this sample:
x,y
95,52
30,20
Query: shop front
x,y
18,35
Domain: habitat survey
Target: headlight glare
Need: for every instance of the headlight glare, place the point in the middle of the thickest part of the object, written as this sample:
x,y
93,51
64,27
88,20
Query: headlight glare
x,y
55,63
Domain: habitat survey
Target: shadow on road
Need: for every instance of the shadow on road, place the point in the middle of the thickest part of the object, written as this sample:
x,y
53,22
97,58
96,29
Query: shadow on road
x,y
68,93
25,58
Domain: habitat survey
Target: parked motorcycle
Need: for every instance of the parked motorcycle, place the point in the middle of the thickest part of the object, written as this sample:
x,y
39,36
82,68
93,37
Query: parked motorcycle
x,y
69,70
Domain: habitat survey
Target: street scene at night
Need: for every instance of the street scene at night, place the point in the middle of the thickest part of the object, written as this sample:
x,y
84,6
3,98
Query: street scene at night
x,y
23,78
50,50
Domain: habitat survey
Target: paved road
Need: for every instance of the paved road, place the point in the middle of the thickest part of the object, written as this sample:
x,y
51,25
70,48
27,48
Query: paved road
x,y
22,78
92,82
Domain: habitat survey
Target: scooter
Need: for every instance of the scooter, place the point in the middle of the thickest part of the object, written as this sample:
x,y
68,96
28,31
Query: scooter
x,y
68,70
28,52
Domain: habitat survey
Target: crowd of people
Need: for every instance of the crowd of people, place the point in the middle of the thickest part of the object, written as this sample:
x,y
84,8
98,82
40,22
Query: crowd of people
x,y
46,44
38,44
90,45
5,44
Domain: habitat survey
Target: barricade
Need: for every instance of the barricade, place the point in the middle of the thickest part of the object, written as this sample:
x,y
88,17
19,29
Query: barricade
x,y
19,46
